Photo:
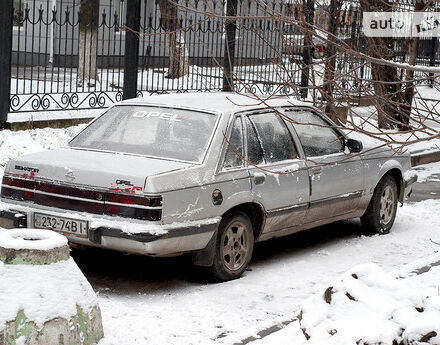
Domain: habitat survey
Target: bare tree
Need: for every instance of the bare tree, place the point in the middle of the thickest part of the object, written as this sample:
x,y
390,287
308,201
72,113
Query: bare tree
x,y
88,43
330,63
178,65
396,91
340,76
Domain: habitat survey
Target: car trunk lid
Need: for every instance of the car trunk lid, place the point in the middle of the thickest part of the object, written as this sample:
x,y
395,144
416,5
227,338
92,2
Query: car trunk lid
x,y
104,170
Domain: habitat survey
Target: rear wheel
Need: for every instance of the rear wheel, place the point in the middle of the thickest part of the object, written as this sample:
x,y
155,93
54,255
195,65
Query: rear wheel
x,y
381,212
234,246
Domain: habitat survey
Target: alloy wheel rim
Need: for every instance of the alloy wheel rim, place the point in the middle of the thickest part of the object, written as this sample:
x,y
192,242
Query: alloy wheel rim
x,y
235,246
387,205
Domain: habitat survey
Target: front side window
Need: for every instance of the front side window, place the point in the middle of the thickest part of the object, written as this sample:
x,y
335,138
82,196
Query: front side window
x,y
232,159
316,135
168,133
274,137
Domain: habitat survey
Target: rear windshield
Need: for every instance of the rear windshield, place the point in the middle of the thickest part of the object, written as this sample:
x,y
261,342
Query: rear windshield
x,y
151,131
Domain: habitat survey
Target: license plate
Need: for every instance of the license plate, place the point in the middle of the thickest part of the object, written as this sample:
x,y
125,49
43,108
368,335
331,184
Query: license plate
x,y
67,226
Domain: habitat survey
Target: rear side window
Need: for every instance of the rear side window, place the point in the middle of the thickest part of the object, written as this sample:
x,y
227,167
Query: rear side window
x,y
232,159
273,136
315,134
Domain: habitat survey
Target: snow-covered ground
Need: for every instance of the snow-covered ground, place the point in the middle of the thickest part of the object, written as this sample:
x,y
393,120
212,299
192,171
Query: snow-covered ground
x,y
191,313
367,305
184,312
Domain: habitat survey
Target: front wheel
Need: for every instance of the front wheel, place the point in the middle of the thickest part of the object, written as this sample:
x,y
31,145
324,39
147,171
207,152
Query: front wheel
x,y
381,212
234,246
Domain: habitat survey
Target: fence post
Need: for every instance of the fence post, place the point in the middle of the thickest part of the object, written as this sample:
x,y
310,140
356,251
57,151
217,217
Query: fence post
x,y
308,12
229,54
432,59
6,15
131,55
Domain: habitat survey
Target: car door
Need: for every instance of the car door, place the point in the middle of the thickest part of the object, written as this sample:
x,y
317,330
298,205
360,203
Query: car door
x,y
279,177
336,176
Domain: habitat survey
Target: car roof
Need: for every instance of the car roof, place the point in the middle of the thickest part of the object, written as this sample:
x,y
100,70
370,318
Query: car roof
x,y
223,102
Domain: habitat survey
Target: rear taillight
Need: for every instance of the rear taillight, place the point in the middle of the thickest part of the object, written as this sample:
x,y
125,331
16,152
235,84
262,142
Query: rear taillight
x,y
129,206
132,206
18,189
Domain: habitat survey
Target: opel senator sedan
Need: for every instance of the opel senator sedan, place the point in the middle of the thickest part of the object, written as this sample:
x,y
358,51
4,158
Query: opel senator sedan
x,y
207,174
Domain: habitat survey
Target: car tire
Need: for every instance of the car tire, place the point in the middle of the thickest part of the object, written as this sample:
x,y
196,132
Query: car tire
x,y
233,248
381,212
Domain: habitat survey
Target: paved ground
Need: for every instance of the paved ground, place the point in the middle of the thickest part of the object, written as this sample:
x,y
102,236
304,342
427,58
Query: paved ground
x,y
429,189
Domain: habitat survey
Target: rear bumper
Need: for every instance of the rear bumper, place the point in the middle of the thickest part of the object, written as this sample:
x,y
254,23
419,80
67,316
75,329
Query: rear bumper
x,y
168,239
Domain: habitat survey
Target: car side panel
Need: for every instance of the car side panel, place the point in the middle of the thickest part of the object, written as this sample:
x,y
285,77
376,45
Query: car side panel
x,y
337,186
284,194
375,168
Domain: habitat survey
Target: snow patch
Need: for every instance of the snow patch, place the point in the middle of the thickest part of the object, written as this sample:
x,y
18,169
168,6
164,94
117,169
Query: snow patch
x,y
368,306
44,292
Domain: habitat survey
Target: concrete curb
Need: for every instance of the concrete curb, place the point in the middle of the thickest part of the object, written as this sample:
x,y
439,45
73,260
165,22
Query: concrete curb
x,y
56,123
425,158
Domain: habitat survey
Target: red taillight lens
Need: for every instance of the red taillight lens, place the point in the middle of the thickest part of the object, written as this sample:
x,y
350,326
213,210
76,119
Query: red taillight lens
x,y
28,196
111,210
8,190
125,203
119,210
22,183
120,199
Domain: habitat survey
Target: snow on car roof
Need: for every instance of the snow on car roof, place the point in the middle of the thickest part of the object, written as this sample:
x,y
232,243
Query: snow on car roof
x,y
224,102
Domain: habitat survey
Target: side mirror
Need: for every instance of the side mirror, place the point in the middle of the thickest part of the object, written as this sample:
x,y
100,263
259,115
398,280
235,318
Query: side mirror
x,y
354,146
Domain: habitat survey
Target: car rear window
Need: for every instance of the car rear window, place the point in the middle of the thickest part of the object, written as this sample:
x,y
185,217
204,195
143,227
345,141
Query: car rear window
x,y
151,131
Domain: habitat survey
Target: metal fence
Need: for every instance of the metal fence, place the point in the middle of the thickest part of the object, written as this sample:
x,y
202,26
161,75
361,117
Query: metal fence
x,y
57,45
50,59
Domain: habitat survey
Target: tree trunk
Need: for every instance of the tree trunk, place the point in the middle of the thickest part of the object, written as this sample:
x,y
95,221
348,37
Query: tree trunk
x,y
330,62
413,53
88,43
178,66
393,97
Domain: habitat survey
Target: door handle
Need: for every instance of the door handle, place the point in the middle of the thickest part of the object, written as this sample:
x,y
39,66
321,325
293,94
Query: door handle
x,y
259,178
316,171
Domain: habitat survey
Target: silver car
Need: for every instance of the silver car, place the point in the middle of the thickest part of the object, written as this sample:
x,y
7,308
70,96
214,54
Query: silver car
x,y
209,174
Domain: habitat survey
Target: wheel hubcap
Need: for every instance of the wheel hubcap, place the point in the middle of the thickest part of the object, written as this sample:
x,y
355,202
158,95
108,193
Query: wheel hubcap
x,y
387,205
235,246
